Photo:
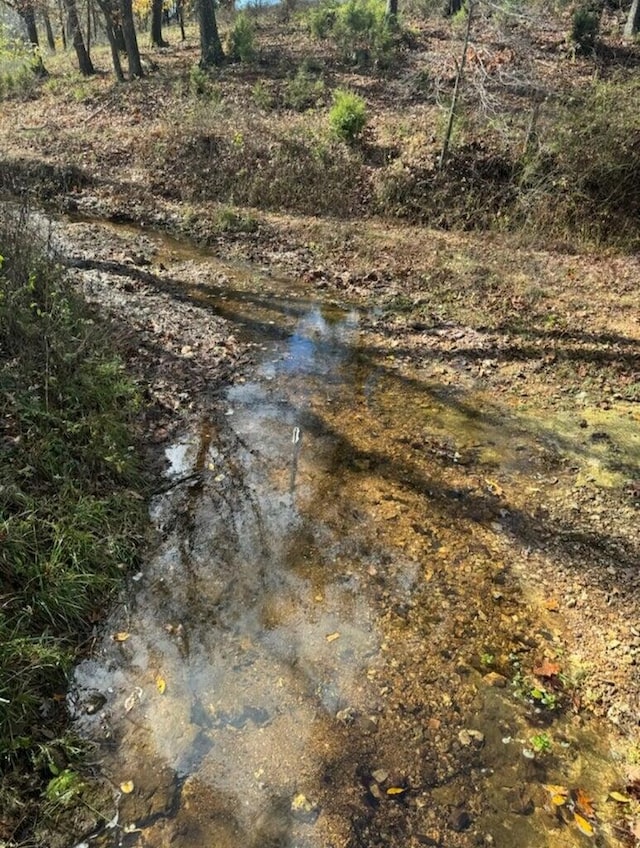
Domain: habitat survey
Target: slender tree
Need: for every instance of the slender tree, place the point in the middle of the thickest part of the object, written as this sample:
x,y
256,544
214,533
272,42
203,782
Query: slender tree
x,y
156,24
130,39
456,89
111,26
180,16
633,21
48,29
84,60
211,52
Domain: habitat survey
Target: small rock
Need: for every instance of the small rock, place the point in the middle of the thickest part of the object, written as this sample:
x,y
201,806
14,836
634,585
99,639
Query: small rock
x,y
380,775
494,679
303,809
431,838
460,820
95,702
366,725
468,737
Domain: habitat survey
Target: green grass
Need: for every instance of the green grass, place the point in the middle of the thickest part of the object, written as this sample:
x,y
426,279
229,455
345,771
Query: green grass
x,y
70,513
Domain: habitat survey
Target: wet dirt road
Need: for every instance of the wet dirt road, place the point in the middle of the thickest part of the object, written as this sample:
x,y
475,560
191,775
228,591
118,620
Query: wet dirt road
x,y
335,640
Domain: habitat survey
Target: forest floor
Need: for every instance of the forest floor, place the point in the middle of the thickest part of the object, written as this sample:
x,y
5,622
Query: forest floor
x,y
550,333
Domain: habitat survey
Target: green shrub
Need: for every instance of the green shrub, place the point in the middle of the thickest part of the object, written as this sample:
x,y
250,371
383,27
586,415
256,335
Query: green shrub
x,y
584,28
322,20
303,91
359,28
240,42
203,86
348,116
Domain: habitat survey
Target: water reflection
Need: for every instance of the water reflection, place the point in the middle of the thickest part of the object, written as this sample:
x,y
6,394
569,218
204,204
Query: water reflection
x,y
244,641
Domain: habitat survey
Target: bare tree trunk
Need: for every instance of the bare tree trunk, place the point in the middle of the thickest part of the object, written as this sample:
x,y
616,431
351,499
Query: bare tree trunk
x,y
84,60
633,21
156,24
456,90
130,39
180,14
210,45
47,25
89,28
110,28
63,29
28,15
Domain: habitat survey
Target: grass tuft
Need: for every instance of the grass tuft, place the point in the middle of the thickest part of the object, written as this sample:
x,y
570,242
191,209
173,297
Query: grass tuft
x,y
70,515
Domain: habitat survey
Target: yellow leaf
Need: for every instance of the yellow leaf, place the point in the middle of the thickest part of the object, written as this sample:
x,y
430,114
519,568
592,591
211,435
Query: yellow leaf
x,y
127,787
558,800
583,825
122,636
555,789
161,684
617,796
494,488
396,790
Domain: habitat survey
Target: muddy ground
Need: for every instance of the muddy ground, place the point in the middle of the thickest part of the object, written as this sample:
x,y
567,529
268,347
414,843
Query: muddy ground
x,y
514,502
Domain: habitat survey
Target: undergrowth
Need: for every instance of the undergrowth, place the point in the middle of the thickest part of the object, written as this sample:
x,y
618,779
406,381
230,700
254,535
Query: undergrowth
x,y
70,512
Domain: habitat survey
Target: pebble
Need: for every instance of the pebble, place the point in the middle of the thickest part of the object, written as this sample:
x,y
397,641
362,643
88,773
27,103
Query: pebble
x,y
494,679
460,820
467,737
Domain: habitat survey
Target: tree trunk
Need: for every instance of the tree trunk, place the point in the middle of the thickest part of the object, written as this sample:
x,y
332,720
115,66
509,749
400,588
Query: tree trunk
x,y
633,21
28,15
456,89
180,14
156,24
62,25
119,36
391,12
47,25
210,46
89,28
130,39
110,28
84,60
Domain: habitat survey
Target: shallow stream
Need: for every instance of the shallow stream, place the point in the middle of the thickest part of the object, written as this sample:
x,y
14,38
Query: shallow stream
x,y
331,641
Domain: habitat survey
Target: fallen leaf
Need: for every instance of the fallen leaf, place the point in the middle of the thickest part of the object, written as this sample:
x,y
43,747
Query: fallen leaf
x,y
127,787
494,488
554,789
552,605
122,636
396,790
161,684
558,800
585,826
583,803
547,669
618,796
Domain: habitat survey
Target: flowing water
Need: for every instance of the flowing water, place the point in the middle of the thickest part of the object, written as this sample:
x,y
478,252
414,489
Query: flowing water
x,y
302,660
